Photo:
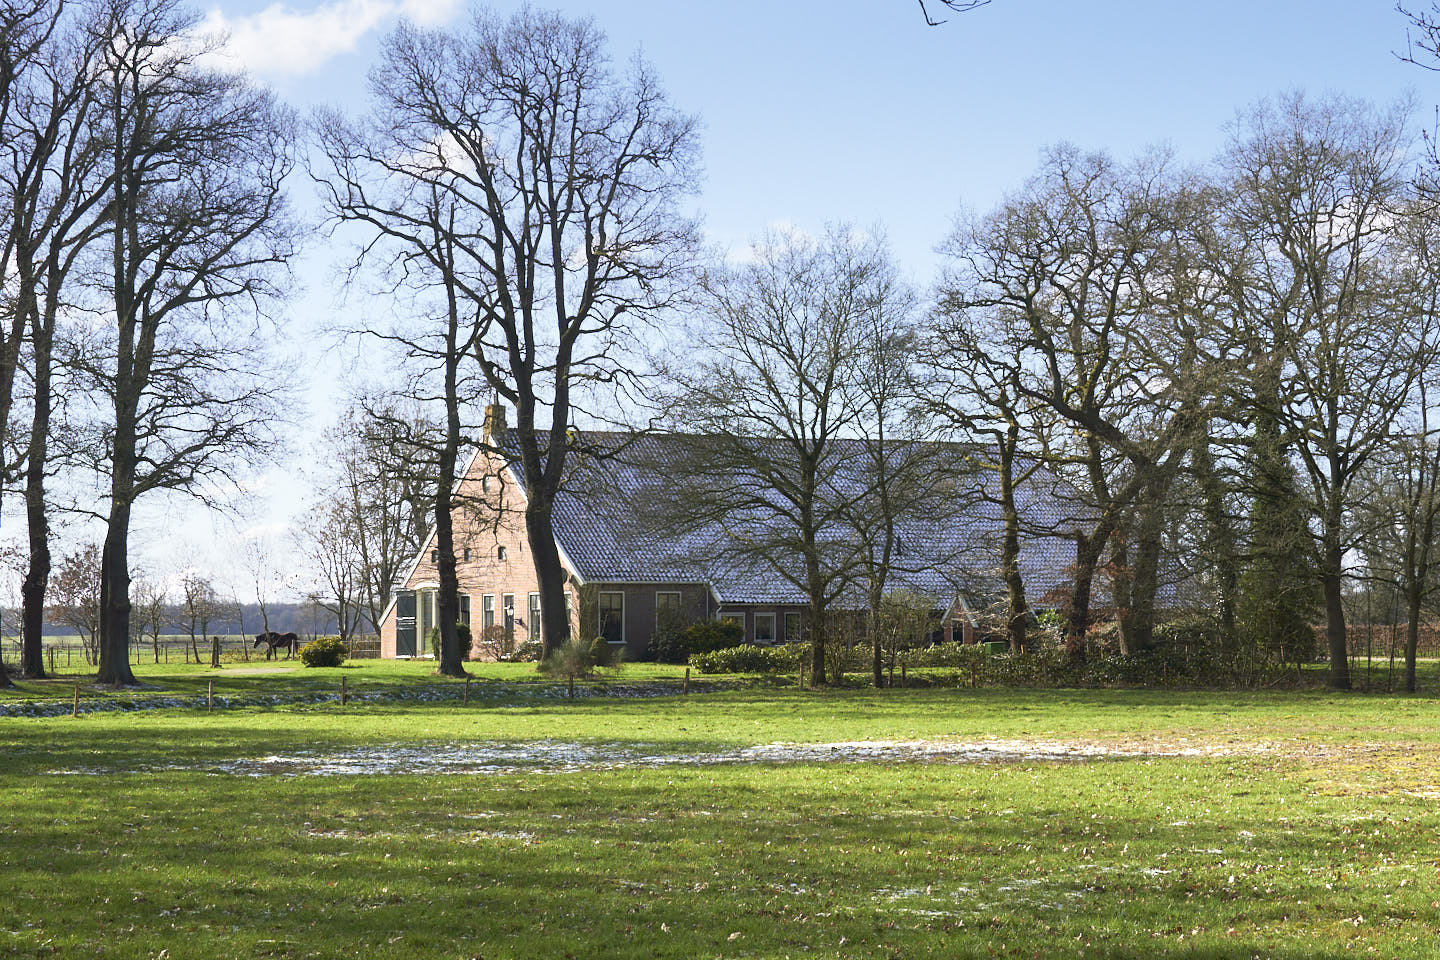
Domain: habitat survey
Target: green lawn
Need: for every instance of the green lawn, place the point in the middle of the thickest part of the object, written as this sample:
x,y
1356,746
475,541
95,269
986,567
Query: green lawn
x,y
1311,830
292,677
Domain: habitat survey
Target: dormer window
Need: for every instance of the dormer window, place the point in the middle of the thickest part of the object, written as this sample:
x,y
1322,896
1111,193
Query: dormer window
x,y
485,484
434,556
500,553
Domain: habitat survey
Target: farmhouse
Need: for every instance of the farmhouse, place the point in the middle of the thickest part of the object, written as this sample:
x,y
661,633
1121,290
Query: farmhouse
x,y
624,576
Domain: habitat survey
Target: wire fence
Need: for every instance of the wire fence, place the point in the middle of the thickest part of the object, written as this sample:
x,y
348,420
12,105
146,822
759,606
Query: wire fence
x,y
63,653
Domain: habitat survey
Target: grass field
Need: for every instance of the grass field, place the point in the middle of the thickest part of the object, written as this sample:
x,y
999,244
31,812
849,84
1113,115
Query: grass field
x,y
1105,824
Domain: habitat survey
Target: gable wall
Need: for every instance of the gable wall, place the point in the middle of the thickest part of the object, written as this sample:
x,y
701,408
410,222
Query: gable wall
x,y
484,573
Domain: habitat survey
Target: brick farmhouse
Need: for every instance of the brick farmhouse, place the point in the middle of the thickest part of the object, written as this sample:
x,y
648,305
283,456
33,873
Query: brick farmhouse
x,y
622,581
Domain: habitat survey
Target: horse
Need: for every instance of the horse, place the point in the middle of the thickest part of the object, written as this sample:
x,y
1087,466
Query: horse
x,y
288,642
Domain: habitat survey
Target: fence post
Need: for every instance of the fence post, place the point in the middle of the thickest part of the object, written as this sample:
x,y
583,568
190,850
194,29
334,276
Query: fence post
x,y
467,689
210,696
75,706
344,692
686,688
902,672
802,672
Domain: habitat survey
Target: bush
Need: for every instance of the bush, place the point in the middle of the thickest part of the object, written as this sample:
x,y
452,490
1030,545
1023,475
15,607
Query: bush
x,y
748,658
705,636
323,652
578,658
667,644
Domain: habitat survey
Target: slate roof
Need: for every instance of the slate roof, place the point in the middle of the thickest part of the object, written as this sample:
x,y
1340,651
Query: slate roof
x,y
604,522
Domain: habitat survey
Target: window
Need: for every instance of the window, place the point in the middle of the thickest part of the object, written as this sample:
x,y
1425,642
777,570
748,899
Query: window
x,y
612,617
732,618
467,553
465,609
667,602
764,628
487,611
792,628
534,615
500,553
485,484
508,606
434,556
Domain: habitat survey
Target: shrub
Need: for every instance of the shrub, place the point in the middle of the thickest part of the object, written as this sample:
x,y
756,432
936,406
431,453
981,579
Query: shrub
x,y
578,658
323,652
704,636
667,643
748,658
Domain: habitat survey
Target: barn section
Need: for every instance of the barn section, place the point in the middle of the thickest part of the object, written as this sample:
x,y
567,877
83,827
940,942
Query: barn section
x,y
624,577
613,591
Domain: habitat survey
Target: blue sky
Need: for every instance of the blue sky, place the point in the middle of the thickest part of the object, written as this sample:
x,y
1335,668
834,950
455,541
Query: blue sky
x,y
842,111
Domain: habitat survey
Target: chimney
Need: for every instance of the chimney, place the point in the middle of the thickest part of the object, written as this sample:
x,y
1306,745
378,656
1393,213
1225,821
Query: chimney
x,y
494,422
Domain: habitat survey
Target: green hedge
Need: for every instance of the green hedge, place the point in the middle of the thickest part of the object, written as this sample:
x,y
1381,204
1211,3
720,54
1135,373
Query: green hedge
x,y
748,658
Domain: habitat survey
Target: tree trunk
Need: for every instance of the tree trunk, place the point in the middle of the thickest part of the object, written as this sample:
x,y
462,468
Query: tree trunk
x,y
1414,591
1018,612
549,575
1221,541
1087,556
1121,591
1146,581
1335,614
815,633
37,574
115,598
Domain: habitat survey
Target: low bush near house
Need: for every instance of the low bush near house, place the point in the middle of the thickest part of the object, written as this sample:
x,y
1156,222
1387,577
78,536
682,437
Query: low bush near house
x,y
748,658
705,636
323,652
578,658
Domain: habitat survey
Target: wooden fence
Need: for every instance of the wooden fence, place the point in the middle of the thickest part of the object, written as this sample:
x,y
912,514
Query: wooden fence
x,y
70,652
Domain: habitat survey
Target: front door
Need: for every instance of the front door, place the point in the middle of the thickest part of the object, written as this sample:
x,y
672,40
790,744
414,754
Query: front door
x,y
405,623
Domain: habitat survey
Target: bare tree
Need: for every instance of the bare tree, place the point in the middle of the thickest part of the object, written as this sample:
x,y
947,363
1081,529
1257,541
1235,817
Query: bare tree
x,y
975,371
198,232
958,6
332,542
75,597
1320,189
201,603
413,228
768,388
380,485
150,611
1078,268
51,169
555,182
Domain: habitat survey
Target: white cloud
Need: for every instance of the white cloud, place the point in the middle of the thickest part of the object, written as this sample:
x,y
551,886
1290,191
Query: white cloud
x,y
429,13
283,41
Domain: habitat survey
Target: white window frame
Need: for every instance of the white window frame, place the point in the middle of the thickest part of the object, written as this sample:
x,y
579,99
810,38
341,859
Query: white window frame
x,y
532,610
600,614
487,611
771,618
507,613
679,596
740,615
501,553
799,626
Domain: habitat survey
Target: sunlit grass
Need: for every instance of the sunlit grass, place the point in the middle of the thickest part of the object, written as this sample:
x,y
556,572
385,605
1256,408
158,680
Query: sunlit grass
x,y
1324,845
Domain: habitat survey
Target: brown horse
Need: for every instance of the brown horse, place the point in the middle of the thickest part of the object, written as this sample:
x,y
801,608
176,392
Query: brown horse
x,y
288,642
